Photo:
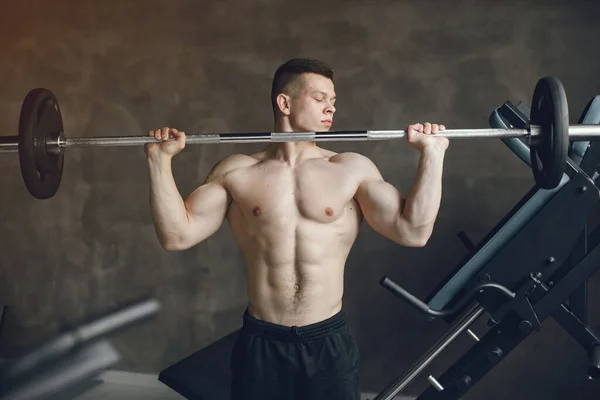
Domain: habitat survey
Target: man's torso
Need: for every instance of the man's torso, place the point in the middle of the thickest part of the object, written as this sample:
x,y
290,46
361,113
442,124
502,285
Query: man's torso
x,y
295,226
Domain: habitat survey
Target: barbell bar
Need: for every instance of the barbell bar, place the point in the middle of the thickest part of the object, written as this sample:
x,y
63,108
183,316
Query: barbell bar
x,y
41,143
10,144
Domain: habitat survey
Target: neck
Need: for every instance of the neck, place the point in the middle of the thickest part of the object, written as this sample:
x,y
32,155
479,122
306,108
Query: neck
x,y
290,152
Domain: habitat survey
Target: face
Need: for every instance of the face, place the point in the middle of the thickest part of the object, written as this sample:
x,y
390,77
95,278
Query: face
x,y
311,107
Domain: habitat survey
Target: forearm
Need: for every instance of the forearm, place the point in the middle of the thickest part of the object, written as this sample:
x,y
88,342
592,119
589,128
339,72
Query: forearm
x,y
167,207
422,203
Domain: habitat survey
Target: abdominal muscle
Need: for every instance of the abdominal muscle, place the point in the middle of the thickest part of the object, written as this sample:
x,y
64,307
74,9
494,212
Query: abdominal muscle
x,y
295,265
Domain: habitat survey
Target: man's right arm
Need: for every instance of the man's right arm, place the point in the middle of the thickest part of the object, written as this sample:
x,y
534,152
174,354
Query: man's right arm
x,y
181,224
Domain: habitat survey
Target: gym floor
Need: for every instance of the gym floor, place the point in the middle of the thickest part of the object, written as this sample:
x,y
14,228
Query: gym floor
x,y
117,385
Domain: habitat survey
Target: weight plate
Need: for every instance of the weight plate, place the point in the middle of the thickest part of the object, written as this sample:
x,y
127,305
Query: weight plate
x,y
40,124
549,110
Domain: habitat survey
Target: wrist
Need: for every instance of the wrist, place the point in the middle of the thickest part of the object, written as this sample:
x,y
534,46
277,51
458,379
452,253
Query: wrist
x,y
434,149
159,164
159,158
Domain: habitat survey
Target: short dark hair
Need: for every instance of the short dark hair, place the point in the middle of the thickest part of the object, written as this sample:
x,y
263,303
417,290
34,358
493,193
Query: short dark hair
x,y
288,73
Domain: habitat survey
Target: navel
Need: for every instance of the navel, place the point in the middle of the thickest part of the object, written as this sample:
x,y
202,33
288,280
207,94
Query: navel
x,y
256,211
328,212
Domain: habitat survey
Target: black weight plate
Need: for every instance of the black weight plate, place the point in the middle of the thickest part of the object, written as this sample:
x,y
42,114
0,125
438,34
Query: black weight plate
x,y
549,109
40,119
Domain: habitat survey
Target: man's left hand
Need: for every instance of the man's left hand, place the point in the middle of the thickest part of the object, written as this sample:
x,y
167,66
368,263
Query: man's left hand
x,y
422,136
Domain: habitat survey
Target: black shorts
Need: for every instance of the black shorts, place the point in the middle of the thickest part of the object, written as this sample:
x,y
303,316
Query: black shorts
x,y
317,361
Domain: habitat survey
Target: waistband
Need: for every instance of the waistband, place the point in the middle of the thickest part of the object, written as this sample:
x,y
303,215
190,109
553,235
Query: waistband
x,y
317,330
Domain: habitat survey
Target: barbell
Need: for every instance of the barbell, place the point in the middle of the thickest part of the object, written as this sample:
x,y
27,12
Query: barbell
x,y
41,143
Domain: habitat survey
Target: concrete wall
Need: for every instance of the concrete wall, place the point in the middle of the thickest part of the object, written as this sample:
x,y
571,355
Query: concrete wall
x,y
122,67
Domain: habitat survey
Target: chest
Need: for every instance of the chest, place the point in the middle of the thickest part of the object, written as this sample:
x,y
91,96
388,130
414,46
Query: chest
x,y
317,190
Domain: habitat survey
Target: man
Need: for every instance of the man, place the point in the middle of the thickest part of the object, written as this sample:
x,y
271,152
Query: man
x,y
295,210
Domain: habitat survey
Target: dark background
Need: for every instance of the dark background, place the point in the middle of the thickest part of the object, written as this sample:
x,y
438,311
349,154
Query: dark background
x,y
122,67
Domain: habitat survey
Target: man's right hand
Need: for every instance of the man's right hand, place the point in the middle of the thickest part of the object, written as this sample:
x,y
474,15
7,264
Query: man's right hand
x,y
166,147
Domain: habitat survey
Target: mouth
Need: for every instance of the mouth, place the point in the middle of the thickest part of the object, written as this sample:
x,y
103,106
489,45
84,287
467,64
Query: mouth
x,y
327,122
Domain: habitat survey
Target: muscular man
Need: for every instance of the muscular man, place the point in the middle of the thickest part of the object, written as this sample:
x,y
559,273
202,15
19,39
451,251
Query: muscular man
x,y
295,209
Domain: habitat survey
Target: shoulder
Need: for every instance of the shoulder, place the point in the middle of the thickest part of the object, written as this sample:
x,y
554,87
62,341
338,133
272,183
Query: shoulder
x,y
357,163
349,157
229,164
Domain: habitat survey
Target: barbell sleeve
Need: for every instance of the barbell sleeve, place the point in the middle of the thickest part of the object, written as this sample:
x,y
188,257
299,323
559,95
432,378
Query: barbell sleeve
x,y
9,144
578,133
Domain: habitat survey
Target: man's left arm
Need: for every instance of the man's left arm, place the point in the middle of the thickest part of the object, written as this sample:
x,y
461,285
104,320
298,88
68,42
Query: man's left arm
x,y
409,220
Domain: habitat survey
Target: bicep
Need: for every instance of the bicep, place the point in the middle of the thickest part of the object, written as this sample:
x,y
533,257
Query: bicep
x,y
206,210
381,205
379,201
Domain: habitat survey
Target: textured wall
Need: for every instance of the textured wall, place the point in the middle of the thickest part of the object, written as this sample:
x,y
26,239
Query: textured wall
x,y
122,67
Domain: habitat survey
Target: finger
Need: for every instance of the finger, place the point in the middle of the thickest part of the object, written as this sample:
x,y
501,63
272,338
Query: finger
x,y
157,134
415,128
165,133
442,127
435,128
180,138
178,134
427,128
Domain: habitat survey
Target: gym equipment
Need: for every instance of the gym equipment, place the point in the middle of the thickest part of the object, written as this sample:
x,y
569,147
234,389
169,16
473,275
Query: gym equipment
x,y
542,251
67,361
41,143
3,311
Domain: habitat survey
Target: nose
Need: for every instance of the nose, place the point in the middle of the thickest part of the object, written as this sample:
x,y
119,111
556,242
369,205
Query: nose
x,y
330,109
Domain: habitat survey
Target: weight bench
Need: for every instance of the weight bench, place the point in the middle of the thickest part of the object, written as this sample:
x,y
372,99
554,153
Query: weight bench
x,y
521,273
205,374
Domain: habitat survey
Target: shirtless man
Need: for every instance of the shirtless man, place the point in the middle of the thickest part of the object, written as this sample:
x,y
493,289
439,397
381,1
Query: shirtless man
x,y
295,210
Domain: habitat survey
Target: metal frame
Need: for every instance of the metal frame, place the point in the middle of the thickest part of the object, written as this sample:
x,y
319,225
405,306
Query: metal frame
x,y
547,264
3,311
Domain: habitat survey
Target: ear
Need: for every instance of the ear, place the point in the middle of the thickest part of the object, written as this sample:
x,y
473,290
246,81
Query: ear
x,y
283,102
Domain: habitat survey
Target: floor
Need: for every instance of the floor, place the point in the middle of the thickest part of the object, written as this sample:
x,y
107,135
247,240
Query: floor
x,y
118,385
